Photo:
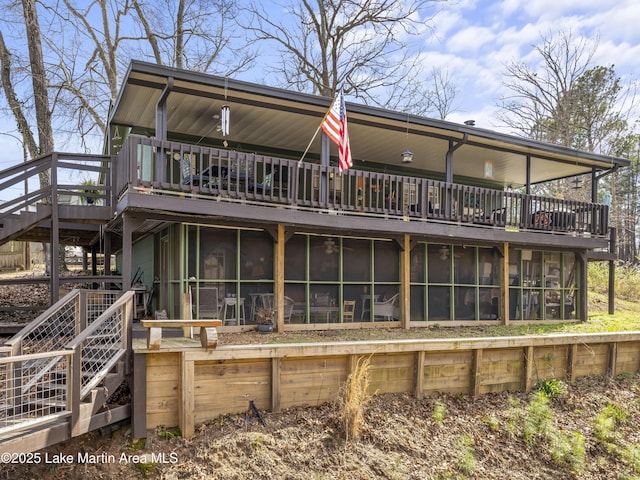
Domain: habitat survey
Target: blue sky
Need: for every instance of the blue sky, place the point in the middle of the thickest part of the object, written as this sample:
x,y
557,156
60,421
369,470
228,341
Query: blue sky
x,y
474,39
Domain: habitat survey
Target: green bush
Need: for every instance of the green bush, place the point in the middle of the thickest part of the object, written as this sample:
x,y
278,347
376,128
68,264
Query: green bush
x,y
627,280
552,389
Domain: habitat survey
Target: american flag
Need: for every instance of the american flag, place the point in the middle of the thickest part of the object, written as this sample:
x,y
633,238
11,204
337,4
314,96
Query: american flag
x,y
335,126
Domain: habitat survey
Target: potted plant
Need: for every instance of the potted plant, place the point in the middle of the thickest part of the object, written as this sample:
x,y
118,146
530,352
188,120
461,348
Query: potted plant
x,y
264,320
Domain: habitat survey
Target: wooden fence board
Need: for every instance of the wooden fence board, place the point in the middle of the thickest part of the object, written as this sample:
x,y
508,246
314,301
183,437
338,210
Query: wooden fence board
x,y
392,373
226,379
628,357
592,359
550,363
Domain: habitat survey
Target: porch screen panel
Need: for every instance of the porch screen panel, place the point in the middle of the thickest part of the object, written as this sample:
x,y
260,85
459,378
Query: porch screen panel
x,y
439,263
357,260
356,273
192,251
323,258
296,257
218,254
418,303
439,303
571,274
464,265
256,256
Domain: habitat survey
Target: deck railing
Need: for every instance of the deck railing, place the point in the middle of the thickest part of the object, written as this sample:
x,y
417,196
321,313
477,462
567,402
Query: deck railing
x,y
161,165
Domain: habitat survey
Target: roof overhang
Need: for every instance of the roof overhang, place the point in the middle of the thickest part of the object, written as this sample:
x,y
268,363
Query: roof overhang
x,y
280,122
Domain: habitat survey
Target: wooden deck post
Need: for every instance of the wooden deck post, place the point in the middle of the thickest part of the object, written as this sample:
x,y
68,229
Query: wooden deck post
x,y
613,359
571,362
418,389
405,283
275,384
528,369
279,278
476,380
504,285
186,403
138,387
74,386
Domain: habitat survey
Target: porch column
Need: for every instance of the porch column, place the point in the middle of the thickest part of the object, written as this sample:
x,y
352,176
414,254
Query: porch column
x,y
161,129
504,285
127,238
405,283
325,157
581,257
278,288
54,254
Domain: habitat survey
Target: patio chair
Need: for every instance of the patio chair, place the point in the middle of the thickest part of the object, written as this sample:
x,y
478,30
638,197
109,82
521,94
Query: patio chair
x,y
207,302
348,310
387,309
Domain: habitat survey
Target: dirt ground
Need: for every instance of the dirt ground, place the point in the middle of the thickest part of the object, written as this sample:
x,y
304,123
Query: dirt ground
x,y
438,437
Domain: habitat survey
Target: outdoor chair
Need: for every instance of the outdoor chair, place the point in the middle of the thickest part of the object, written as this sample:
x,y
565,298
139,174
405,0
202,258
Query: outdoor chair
x,y
348,310
387,309
207,302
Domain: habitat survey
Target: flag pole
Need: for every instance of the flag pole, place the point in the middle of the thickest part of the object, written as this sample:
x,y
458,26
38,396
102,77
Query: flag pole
x,y
309,146
316,134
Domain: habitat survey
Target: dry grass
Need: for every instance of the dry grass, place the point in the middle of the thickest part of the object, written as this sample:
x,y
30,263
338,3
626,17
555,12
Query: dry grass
x,y
353,398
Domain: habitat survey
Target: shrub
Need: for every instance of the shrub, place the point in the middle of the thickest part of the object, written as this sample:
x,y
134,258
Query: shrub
x,y
552,389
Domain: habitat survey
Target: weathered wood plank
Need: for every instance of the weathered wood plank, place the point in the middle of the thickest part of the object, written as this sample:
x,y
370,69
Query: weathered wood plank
x,y
186,405
628,357
224,381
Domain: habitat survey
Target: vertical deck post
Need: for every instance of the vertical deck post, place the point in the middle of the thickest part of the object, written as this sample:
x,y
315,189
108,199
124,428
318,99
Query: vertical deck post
x,y
279,278
186,404
405,283
138,386
476,375
275,384
418,389
504,285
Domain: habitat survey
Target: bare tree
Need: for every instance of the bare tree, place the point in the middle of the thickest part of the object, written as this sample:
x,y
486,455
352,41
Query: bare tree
x,y
199,35
566,101
358,45
540,104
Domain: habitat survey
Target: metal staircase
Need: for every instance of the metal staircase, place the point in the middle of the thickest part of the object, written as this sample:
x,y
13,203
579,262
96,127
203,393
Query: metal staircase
x,y
58,374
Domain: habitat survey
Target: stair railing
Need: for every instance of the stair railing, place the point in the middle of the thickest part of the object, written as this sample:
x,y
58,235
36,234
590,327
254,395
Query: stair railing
x,y
61,322
97,349
47,396
103,343
38,387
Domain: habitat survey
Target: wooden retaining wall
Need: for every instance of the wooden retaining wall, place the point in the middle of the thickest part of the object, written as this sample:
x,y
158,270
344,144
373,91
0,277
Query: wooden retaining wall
x,y
184,386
